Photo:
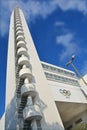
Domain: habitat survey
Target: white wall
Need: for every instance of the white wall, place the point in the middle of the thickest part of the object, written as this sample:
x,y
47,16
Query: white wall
x,y
76,93
51,118
2,123
82,83
10,108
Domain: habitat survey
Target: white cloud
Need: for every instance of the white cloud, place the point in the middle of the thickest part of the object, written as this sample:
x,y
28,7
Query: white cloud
x,y
59,23
80,5
70,46
32,9
35,8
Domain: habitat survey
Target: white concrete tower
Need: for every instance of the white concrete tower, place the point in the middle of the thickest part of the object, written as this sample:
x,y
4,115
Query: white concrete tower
x,y
29,103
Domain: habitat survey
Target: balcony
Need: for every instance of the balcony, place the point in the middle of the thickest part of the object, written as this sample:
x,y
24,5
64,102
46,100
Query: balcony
x,y
21,44
17,13
28,89
23,60
32,112
19,28
19,33
17,16
22,51
17,22
18,25
20,37
25,72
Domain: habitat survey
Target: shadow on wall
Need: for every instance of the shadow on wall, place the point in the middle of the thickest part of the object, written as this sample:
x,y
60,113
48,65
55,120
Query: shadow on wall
x,y
44,124
11,115
54,126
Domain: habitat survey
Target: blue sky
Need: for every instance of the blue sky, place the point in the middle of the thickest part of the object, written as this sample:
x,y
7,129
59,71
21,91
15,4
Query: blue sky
x,y
58,28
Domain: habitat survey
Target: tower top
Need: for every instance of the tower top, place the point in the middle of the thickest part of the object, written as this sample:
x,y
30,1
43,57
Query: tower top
x,y
16,8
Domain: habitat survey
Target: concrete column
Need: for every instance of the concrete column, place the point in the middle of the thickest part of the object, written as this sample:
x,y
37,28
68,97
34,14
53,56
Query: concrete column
x,y
24,66
26,81
34,125
17,127
29,101
22,56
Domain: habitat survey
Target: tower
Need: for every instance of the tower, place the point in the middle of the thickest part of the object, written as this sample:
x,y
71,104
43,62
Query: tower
x,y
29,103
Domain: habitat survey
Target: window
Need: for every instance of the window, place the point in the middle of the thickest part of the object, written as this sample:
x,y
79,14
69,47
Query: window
x,y
57,70
61,79
69,127
78,121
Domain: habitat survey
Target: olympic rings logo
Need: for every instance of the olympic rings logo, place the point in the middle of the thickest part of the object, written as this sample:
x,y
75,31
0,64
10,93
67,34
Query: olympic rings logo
x,y
65,92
